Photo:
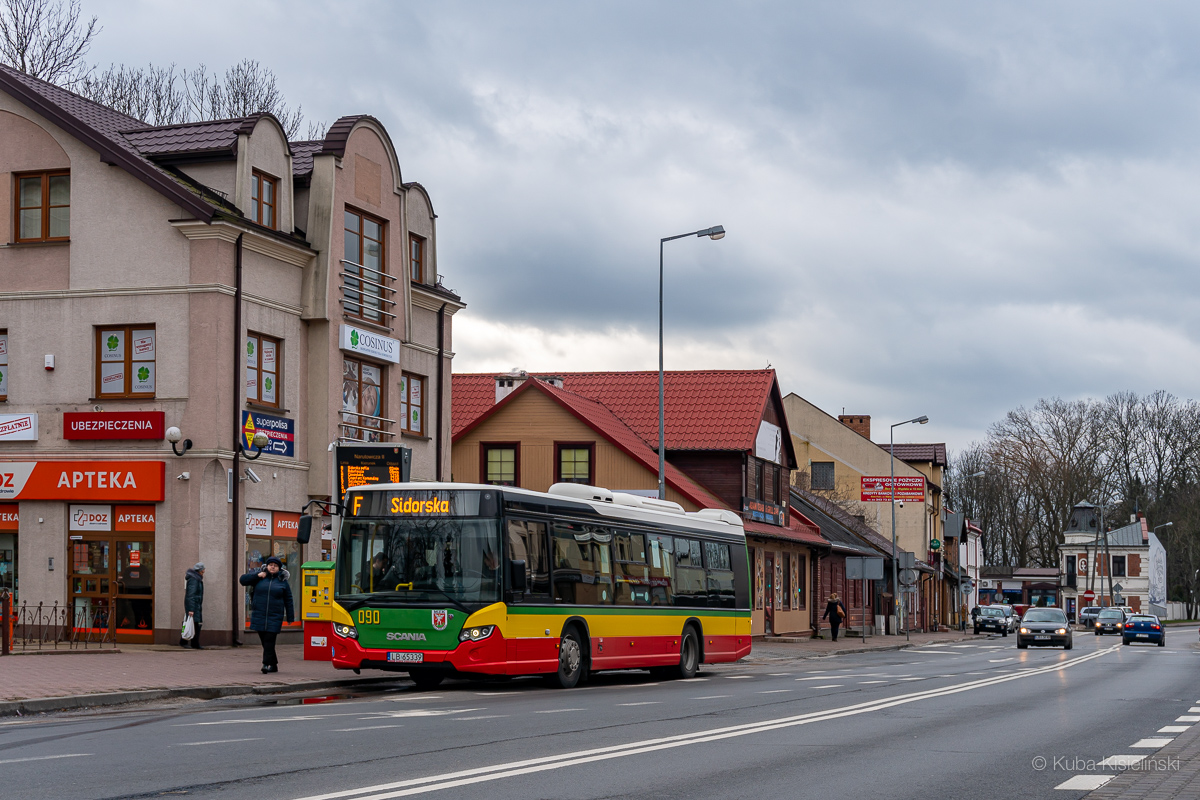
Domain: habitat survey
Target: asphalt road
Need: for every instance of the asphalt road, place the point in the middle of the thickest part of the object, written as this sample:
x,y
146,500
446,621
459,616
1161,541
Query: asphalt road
x,y
967,720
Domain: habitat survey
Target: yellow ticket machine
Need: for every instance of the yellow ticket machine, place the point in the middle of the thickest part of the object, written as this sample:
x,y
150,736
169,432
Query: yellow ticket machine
x,y
316,606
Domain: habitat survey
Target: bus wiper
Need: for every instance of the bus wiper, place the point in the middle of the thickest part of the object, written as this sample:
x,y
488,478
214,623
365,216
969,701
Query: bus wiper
x,y
454,602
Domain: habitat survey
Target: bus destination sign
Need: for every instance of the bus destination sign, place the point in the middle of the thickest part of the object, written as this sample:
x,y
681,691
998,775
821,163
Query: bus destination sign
x,y
366,464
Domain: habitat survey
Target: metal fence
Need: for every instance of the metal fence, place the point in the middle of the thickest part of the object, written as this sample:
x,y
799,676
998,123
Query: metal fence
x,y
52,627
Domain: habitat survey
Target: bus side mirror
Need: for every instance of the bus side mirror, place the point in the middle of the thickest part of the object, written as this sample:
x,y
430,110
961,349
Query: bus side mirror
x,y
516,576
304,531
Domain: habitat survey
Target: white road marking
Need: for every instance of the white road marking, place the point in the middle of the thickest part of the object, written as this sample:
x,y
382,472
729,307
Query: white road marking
x,y
961,646
691,680
913,679
493,772
559,710
643,703
1123,760
1194,710
779,674
484,716
864,683
257,720
976,673
829,686
712,697
1173,729
420,712
999,660
1085,783
218,741
1187,719
933,653
365,728
775,691
1152,743
44,758
495,694
738,677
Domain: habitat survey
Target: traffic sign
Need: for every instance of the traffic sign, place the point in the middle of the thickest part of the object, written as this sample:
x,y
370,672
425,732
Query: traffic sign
x,y
1089,596
908,576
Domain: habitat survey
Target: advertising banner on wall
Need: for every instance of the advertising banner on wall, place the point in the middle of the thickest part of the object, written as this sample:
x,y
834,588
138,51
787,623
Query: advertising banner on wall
x,y
258,522
879,489
366,343
134,518
1158,577
280,430
113,425
90,518
18,427
101,481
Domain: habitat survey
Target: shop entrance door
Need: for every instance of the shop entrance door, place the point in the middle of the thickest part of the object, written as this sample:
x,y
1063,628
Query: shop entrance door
x,y
769,601
112,589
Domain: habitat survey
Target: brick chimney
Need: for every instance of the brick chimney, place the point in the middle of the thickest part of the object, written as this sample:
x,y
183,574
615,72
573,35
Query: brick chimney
x,y
857,423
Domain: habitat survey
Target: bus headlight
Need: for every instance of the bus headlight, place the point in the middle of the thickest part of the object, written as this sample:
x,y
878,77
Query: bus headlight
x,y
345,631
476,634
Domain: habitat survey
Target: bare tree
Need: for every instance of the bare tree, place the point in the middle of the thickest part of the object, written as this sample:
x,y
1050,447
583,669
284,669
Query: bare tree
x,y
151,94
246,88
46,39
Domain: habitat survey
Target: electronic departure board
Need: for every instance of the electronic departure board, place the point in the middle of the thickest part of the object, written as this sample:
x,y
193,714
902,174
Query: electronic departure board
x,y
365,464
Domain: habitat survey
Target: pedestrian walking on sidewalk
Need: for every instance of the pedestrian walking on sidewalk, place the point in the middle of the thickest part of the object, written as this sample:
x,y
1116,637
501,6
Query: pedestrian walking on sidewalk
x,y
835,612
270,605
193,603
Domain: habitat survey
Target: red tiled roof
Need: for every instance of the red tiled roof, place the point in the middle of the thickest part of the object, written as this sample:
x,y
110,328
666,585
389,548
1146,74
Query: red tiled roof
x,y
801,534
921,452
704,409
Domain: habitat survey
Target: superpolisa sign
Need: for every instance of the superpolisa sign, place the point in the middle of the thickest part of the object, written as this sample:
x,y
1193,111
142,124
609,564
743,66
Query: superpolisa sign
x,y
112,481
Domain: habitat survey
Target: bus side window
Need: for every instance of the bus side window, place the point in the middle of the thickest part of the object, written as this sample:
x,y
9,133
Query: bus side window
x,y
582,569
720,575
527,542
691,585
662,571
632,575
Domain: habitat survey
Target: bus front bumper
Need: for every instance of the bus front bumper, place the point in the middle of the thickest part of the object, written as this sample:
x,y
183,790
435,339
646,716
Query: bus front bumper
x,y
487,656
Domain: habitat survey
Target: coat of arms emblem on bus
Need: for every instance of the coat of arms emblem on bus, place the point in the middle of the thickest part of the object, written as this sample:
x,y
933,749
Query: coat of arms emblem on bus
x,y
441,618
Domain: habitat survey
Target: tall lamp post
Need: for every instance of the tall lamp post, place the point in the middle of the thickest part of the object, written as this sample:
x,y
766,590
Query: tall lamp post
x,y
921,420
715,232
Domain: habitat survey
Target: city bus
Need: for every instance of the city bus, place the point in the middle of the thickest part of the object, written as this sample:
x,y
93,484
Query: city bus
x,y
437,579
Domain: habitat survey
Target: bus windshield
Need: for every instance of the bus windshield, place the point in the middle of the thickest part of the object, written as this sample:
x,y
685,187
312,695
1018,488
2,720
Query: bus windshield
x,y
419,560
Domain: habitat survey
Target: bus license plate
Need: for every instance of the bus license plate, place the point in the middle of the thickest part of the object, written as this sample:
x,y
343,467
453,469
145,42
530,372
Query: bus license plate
x,y
1041,637
407,658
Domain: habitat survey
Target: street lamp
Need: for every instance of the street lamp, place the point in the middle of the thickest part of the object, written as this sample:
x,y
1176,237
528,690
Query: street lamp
x,y
714,233
921,420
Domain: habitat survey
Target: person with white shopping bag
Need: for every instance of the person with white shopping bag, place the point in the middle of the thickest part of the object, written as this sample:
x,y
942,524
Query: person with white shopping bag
x,y
193,604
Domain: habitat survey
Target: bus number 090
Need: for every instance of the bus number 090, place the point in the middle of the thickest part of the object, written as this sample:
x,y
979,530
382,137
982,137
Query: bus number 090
x,y
368,616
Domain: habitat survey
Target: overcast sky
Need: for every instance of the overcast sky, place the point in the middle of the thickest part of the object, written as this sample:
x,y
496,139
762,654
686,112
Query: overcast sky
x,y
933,208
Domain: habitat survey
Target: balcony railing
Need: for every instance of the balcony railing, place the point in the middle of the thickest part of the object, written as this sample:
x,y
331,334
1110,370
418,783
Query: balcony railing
x,y
364,292
365,428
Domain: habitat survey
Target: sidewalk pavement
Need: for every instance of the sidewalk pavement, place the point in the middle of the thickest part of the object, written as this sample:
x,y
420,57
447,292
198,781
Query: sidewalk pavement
x,y
136,673
1171,773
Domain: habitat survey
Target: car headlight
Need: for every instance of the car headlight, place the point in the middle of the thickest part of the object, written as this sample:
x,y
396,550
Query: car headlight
x,y
1097,624
1024,630
345,631
1061,631
476,634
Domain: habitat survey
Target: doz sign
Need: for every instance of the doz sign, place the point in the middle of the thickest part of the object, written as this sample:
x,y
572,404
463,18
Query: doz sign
x,y
258,523
91,518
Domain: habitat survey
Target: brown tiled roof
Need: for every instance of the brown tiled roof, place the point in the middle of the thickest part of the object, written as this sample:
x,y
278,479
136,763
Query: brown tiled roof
x,y
100,128
302,155
935,453
190,137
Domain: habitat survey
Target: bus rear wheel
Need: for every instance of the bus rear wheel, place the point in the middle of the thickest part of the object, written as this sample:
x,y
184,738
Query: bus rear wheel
x,y
570,661
689,655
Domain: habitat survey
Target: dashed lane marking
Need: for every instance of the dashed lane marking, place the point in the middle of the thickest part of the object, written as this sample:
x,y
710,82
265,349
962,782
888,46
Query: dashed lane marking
x,y
775,691
780,674
913,679
691,680
1085,783
1124,761
643,703
1173,729
738,677
864,683
365,728
44,758
1152,743
559,710
219,741
482,716
712,697
829,686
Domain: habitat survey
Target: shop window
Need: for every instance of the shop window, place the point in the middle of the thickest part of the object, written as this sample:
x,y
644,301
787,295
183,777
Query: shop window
x,y
3,365
412,404
527,541
1118,566
365,282
9,515
787,558
583,570
416,258
264,354
822,476
263,192
125,361
799,581
43,207
501,464
574,463
287,550
362,401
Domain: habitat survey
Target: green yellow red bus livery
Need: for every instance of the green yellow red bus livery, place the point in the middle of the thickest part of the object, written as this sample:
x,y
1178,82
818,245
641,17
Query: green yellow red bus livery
x,y
438,579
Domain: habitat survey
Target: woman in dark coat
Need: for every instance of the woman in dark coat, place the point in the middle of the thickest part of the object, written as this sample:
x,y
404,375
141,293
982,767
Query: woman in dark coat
x,y
193,602
835,612
270,605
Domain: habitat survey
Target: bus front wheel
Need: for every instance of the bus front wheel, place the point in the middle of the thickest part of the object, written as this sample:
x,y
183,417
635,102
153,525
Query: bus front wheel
x,y
689,655
570,661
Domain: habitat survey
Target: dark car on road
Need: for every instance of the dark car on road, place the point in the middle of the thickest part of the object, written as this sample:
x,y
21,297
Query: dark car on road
x,y
1045,627
1087,615
1010,613
1144,628
992,618
1110,620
